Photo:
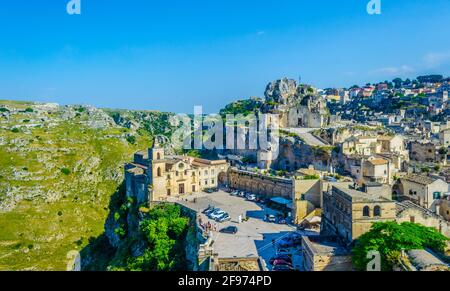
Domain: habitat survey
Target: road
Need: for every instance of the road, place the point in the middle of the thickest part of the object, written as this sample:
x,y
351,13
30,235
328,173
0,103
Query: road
x,y
306,135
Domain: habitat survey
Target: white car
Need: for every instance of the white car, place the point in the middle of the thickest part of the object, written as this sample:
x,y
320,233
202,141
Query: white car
x,y
251,197
217,214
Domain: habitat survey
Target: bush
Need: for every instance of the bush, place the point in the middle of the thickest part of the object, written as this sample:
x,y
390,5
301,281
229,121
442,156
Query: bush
x,y
65,171
120,231
29,110
15,130
311,177
131,139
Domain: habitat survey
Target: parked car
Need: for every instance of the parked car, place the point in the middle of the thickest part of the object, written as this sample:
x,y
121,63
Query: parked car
x,y
286,258
235,193
286,243
209,210
242,194
251,197
211,190
271,218
224,218
283,251
281,262
217,214
229,230
215,211
283,268
282,220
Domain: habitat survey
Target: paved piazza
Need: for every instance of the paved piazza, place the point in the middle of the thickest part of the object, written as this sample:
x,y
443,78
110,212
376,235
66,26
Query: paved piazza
x,y
254,238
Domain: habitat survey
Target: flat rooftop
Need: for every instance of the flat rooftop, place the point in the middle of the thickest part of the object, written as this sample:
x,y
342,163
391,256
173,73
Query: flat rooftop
x,y
325,245
359,196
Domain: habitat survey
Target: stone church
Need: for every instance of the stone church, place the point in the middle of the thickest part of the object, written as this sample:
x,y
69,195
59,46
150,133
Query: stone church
x,y
153,176
297,105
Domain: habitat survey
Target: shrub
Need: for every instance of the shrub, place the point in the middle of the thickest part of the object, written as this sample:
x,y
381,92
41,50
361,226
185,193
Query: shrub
x,y
65,171
116,216
311,177
120,232
15,130
131,139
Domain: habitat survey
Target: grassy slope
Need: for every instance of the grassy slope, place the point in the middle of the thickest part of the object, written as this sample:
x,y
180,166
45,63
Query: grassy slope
x,y
37,233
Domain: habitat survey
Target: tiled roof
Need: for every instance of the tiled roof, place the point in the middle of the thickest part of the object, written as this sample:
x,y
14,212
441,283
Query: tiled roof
x,y
405,205
419,179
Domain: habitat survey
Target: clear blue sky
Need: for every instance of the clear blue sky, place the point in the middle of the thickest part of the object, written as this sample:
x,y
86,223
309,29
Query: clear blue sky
x,y
172,55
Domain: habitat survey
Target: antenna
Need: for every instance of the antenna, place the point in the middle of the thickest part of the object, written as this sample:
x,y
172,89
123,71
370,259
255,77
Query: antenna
x,y
299,79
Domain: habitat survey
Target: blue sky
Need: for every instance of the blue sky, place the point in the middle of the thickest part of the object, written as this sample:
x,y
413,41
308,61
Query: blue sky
x,y
172,55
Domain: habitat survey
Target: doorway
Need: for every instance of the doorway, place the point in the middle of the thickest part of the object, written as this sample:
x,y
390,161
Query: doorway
x,y
181,189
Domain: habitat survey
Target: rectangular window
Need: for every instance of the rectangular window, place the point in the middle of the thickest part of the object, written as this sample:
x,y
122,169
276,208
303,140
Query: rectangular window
x,y
437,195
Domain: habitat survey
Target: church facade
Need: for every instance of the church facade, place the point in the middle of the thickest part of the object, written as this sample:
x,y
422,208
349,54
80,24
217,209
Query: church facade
x,y
153,176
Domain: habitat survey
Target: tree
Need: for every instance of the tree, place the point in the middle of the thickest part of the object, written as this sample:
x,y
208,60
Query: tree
x,y
164,231
397,82
390,238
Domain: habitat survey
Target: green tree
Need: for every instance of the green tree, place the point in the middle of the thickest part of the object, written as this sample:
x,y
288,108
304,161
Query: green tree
x,y
164,231
390,238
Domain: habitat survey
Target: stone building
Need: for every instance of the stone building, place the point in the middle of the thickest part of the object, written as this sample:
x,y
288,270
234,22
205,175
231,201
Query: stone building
x,y
370,145
423,190
425,152
444,209
321,253
349,213
297,105
367,169
153,176
408,211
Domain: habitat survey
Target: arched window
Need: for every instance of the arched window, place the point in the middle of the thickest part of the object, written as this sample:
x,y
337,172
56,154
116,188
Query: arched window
x,y
159,172
366,211
158,156
377,211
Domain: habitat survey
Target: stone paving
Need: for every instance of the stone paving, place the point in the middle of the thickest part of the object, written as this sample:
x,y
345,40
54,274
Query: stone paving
x,y
254,238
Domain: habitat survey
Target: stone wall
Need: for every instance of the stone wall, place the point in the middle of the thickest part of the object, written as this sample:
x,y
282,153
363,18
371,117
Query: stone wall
x,y
444,209
260,184
426,218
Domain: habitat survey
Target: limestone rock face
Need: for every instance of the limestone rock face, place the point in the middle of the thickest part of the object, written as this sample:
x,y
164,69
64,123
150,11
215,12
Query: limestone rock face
x,y
281,91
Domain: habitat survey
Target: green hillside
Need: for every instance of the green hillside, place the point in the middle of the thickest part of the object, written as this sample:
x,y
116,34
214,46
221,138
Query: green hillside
x,y
59,167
